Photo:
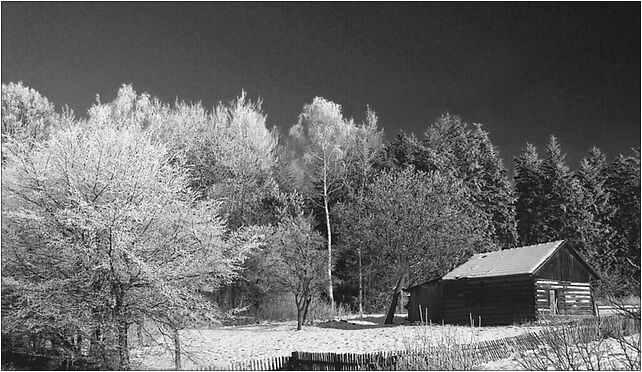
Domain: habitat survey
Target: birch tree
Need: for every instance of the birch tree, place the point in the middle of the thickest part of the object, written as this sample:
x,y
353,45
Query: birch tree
x,y
323,135
366,143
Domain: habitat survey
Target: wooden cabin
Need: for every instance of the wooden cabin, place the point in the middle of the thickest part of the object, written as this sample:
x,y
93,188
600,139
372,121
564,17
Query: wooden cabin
x,y
424,303
512,286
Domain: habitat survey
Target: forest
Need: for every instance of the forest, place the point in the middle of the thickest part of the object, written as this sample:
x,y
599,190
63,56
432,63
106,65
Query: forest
x,y
177,216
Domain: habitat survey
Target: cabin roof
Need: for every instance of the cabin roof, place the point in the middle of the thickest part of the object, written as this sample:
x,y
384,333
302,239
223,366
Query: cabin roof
x,y
515,261
431,281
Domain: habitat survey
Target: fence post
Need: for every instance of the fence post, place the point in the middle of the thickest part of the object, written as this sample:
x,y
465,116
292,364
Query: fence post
x,y
294,361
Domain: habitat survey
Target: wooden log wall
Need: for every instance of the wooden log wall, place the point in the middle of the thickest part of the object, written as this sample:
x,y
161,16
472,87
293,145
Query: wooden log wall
x,y
573,298
424,303
494,301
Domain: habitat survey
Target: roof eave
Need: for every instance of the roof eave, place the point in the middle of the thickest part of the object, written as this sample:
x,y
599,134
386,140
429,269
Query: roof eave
x,y
573,252
548,257
488,277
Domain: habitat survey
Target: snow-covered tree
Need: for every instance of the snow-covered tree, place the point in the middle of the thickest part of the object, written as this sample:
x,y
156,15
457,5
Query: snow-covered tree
x,y
324,137
101,230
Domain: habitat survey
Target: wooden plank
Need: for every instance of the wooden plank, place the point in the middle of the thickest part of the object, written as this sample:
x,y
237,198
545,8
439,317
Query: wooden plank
x,y
549,282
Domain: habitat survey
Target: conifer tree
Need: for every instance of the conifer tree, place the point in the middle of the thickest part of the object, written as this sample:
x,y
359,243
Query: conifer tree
x,y
598,236
528,189
561,206
451,146
623,184
476,161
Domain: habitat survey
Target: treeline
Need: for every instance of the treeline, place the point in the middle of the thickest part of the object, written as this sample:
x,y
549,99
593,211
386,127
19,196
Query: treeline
x,y
144,212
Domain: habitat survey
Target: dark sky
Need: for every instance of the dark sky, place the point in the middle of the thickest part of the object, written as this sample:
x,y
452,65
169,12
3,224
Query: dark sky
x,y
523,70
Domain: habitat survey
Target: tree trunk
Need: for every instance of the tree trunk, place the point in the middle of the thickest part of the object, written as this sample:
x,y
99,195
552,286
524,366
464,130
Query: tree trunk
x,y
299,316
306,307
123,348
122,327
359,248
97,347
139,333
393,303
327,224
360,284
177,350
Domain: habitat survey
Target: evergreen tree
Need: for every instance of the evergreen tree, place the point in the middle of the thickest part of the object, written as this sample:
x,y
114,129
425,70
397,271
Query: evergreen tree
x,y
561,208
598,237
476,161
528,189
406,149
623,184
451,146
592,175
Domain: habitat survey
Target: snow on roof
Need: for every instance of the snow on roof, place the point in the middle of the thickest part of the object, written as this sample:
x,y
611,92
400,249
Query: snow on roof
x,y
522,260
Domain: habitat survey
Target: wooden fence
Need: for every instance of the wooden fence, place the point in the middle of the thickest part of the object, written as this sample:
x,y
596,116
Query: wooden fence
x,y
481,352
618,308
475,353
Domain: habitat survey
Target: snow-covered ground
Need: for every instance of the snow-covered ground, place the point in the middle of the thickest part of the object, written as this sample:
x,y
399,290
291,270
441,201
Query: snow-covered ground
x,y
222,345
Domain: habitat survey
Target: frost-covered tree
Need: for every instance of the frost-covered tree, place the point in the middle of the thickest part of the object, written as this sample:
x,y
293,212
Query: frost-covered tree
x,y
101,230
27,117
230,153
324,137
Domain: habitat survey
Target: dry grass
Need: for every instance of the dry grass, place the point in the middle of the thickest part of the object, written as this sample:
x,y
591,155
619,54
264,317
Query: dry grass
x,y
282,308
611,343
434,347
